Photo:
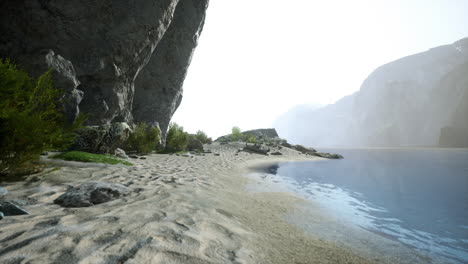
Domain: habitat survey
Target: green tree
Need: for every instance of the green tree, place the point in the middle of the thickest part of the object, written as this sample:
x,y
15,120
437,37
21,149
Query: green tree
x,y
236,134
144,139
176,139
31,121
200,135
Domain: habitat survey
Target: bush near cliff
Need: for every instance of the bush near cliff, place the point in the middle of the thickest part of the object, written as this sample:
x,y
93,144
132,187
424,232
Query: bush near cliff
x,y
31,121
236,134
144,139
203,137
176,139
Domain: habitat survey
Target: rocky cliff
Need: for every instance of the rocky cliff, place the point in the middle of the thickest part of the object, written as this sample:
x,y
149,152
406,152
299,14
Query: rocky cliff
x,y
116,60
419,100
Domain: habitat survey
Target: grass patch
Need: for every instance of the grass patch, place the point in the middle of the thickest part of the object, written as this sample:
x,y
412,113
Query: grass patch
x,y
90,157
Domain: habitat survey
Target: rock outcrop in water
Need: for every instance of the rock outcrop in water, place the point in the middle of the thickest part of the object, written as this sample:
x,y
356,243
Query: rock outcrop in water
x,y
419,100
116,61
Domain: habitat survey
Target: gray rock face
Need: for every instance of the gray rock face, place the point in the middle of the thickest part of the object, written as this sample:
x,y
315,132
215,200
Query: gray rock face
x,y
99,49
406,102
158,88
268,134
91,193
262,133
102,139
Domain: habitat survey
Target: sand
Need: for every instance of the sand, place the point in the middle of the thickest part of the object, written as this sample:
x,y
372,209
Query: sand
x,y
181,210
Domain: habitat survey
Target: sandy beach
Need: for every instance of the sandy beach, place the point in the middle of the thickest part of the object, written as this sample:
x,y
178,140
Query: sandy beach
x,y
180,210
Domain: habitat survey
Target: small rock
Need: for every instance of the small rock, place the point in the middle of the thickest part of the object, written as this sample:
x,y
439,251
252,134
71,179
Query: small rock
x,y
9,208
143,158
186,155
207,151
3,191
120,153
217,154
133,156
1,215
91,193
276,153
34,179
45,153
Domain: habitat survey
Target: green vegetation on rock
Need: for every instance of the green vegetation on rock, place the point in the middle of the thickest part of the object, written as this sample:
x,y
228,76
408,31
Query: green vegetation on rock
x,y
90,157
250,139
31,120
144,139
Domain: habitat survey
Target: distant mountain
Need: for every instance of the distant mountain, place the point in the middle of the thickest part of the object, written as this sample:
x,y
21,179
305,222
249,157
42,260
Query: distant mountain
x,y
419,100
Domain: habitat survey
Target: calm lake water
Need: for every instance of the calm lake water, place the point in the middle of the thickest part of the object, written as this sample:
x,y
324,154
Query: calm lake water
x,y
417,196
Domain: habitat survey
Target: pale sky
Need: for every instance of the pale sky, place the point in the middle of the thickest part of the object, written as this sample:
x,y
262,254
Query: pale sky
x,y
258,58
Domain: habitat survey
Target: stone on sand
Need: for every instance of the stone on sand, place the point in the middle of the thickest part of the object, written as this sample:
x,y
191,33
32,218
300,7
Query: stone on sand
x,y
9,208
91,193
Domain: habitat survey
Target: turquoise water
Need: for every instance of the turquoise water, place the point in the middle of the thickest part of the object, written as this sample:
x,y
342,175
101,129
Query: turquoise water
x,y
416,196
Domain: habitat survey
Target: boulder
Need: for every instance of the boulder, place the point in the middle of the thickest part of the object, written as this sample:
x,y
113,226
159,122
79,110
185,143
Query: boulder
x,y
3,191
276,153
91,193
257,148
103,139
9,208
195,145
120,153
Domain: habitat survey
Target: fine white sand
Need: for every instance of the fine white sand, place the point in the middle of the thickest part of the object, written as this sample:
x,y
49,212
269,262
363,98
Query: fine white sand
x,y
181,210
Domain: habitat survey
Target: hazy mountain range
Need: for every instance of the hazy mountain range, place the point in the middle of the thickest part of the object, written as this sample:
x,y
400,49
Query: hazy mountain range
x,y
418,100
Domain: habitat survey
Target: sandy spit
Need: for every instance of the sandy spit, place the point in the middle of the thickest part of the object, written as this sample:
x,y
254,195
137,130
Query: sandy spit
x,y
181,210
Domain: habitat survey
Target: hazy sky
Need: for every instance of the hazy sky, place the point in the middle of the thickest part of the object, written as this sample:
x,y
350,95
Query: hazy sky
x,y
258,58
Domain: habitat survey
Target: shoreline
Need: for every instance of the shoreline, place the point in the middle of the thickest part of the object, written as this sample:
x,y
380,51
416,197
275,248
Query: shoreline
x,y
181,210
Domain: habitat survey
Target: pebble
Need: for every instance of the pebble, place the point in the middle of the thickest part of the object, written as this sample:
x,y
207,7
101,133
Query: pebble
x,y
3,191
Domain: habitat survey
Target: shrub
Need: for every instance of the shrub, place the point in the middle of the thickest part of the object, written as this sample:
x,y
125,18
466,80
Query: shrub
x,y
90,157
177,139
250,139
200,135
144,139
31,121
236,134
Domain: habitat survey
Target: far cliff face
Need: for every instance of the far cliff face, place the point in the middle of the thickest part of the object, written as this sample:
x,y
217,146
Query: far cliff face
x,y
117,61
419,100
